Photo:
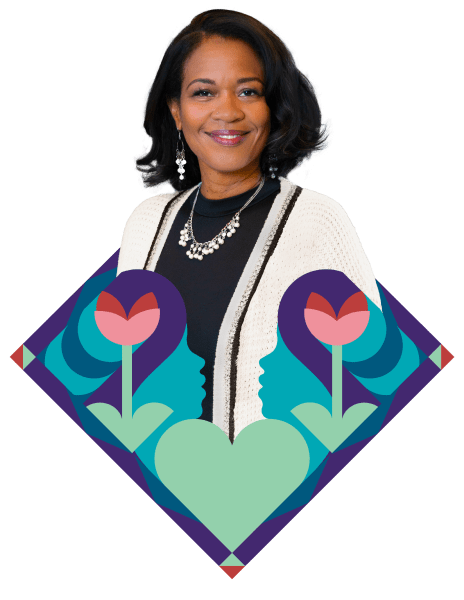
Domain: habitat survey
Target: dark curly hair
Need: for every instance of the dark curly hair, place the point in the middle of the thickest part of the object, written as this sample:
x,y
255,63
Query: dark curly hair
x,y
296,129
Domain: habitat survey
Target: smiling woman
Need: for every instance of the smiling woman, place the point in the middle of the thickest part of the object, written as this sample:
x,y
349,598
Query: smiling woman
x,y
227,112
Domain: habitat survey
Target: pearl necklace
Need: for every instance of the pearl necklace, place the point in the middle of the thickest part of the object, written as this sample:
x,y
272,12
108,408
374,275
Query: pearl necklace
x,y
200,249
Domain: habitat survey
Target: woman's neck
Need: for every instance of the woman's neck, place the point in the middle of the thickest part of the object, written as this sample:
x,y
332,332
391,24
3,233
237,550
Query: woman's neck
x,y
217,186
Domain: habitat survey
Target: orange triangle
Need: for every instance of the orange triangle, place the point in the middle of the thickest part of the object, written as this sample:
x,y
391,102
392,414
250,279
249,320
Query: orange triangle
x,y
232,571
446,357
18,356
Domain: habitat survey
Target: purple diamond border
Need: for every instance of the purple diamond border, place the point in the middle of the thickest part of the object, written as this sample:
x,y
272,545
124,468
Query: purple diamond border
x,y
128,462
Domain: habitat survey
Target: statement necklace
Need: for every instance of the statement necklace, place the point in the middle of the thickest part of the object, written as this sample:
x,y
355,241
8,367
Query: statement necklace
x,y
200,249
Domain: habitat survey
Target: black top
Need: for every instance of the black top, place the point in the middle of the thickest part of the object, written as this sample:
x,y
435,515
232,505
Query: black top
x,y
208,285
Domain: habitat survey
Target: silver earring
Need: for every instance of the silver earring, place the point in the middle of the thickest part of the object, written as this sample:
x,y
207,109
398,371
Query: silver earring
x,y
272,167
180,157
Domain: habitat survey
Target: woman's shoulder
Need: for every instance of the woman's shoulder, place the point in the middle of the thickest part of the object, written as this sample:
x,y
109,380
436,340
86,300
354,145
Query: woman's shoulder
x,y
318,207
316,199
148,213
140,229
151,206
335,241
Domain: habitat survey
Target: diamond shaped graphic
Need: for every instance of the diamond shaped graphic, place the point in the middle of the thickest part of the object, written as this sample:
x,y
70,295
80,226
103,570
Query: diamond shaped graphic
x,y
75,386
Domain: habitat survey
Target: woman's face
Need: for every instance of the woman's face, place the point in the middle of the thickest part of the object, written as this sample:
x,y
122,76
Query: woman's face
x,y
216,101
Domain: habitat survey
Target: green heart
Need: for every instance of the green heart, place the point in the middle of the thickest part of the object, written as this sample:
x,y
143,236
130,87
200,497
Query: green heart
x,y
131,432
332,432
232,489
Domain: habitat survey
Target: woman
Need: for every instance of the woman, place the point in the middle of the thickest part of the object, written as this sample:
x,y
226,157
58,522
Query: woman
x,y
230,116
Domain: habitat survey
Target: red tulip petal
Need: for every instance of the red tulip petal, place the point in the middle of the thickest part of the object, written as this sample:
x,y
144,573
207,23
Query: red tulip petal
x,y
108,303
146,302
318,302
355,303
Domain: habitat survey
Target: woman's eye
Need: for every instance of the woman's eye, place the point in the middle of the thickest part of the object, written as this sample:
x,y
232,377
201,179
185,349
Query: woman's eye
x,y
200,92
251,90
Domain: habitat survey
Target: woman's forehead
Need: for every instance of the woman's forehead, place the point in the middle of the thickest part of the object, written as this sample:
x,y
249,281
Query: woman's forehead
x,y
222,58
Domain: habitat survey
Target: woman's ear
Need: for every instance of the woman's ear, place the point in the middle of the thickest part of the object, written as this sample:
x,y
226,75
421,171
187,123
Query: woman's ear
x,y
175,112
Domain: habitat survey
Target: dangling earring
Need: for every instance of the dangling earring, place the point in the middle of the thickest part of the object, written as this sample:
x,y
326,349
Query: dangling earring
x,y
272,168
180,157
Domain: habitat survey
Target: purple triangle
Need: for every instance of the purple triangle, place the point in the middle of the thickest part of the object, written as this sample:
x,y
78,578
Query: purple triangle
x,y
201,536
52,326
53,387
263,535
111,263
127,461
411,326
411,387
336,462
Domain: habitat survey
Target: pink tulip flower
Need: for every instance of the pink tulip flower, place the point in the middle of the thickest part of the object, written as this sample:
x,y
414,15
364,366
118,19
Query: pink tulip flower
x,y
341,329
125,330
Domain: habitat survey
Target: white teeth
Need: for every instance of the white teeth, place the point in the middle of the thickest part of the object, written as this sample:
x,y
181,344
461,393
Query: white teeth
x,y
228,137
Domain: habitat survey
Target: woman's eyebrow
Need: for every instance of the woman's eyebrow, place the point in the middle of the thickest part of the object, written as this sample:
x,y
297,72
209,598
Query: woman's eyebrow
x,y
210,81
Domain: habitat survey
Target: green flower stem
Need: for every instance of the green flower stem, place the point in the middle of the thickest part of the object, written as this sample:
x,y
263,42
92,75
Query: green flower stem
x,y
337,369
127,383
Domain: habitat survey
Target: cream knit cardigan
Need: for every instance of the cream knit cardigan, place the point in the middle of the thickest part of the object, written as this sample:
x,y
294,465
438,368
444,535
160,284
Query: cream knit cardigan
x,y
304,231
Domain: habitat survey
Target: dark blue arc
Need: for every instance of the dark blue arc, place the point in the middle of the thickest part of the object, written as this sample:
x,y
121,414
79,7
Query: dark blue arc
x,y
75,355
388,354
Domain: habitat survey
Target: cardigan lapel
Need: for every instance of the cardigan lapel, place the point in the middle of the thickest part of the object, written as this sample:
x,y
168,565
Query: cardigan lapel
x,y
225,364
164,226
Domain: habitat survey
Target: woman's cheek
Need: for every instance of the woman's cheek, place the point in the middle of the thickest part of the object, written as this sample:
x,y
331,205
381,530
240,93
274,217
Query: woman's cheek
x,y
195,112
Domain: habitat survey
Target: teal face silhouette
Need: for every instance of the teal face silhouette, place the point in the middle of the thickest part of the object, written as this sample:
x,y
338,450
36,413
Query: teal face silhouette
x,y
177,383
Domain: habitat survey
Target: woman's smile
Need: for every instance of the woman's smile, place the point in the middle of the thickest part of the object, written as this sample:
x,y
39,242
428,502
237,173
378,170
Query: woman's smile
x,y
227,138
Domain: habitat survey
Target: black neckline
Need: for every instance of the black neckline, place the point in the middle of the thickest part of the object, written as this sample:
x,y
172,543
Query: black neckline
x,y
219,208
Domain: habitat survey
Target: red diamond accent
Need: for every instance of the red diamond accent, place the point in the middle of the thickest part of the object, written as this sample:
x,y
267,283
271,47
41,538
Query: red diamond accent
x,y
446,356
18,356
232,571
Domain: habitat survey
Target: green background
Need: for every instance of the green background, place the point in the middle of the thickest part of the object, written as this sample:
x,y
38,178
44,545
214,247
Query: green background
x,y
74,77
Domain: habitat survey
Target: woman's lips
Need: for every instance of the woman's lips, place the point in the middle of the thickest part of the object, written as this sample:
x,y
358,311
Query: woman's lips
x,y
229,139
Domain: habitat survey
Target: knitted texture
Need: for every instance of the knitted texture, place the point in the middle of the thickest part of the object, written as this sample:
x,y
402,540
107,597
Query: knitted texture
x,y
317,235
139,232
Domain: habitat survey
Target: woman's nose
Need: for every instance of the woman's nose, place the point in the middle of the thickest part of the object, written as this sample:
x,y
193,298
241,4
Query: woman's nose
x,y
228,108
